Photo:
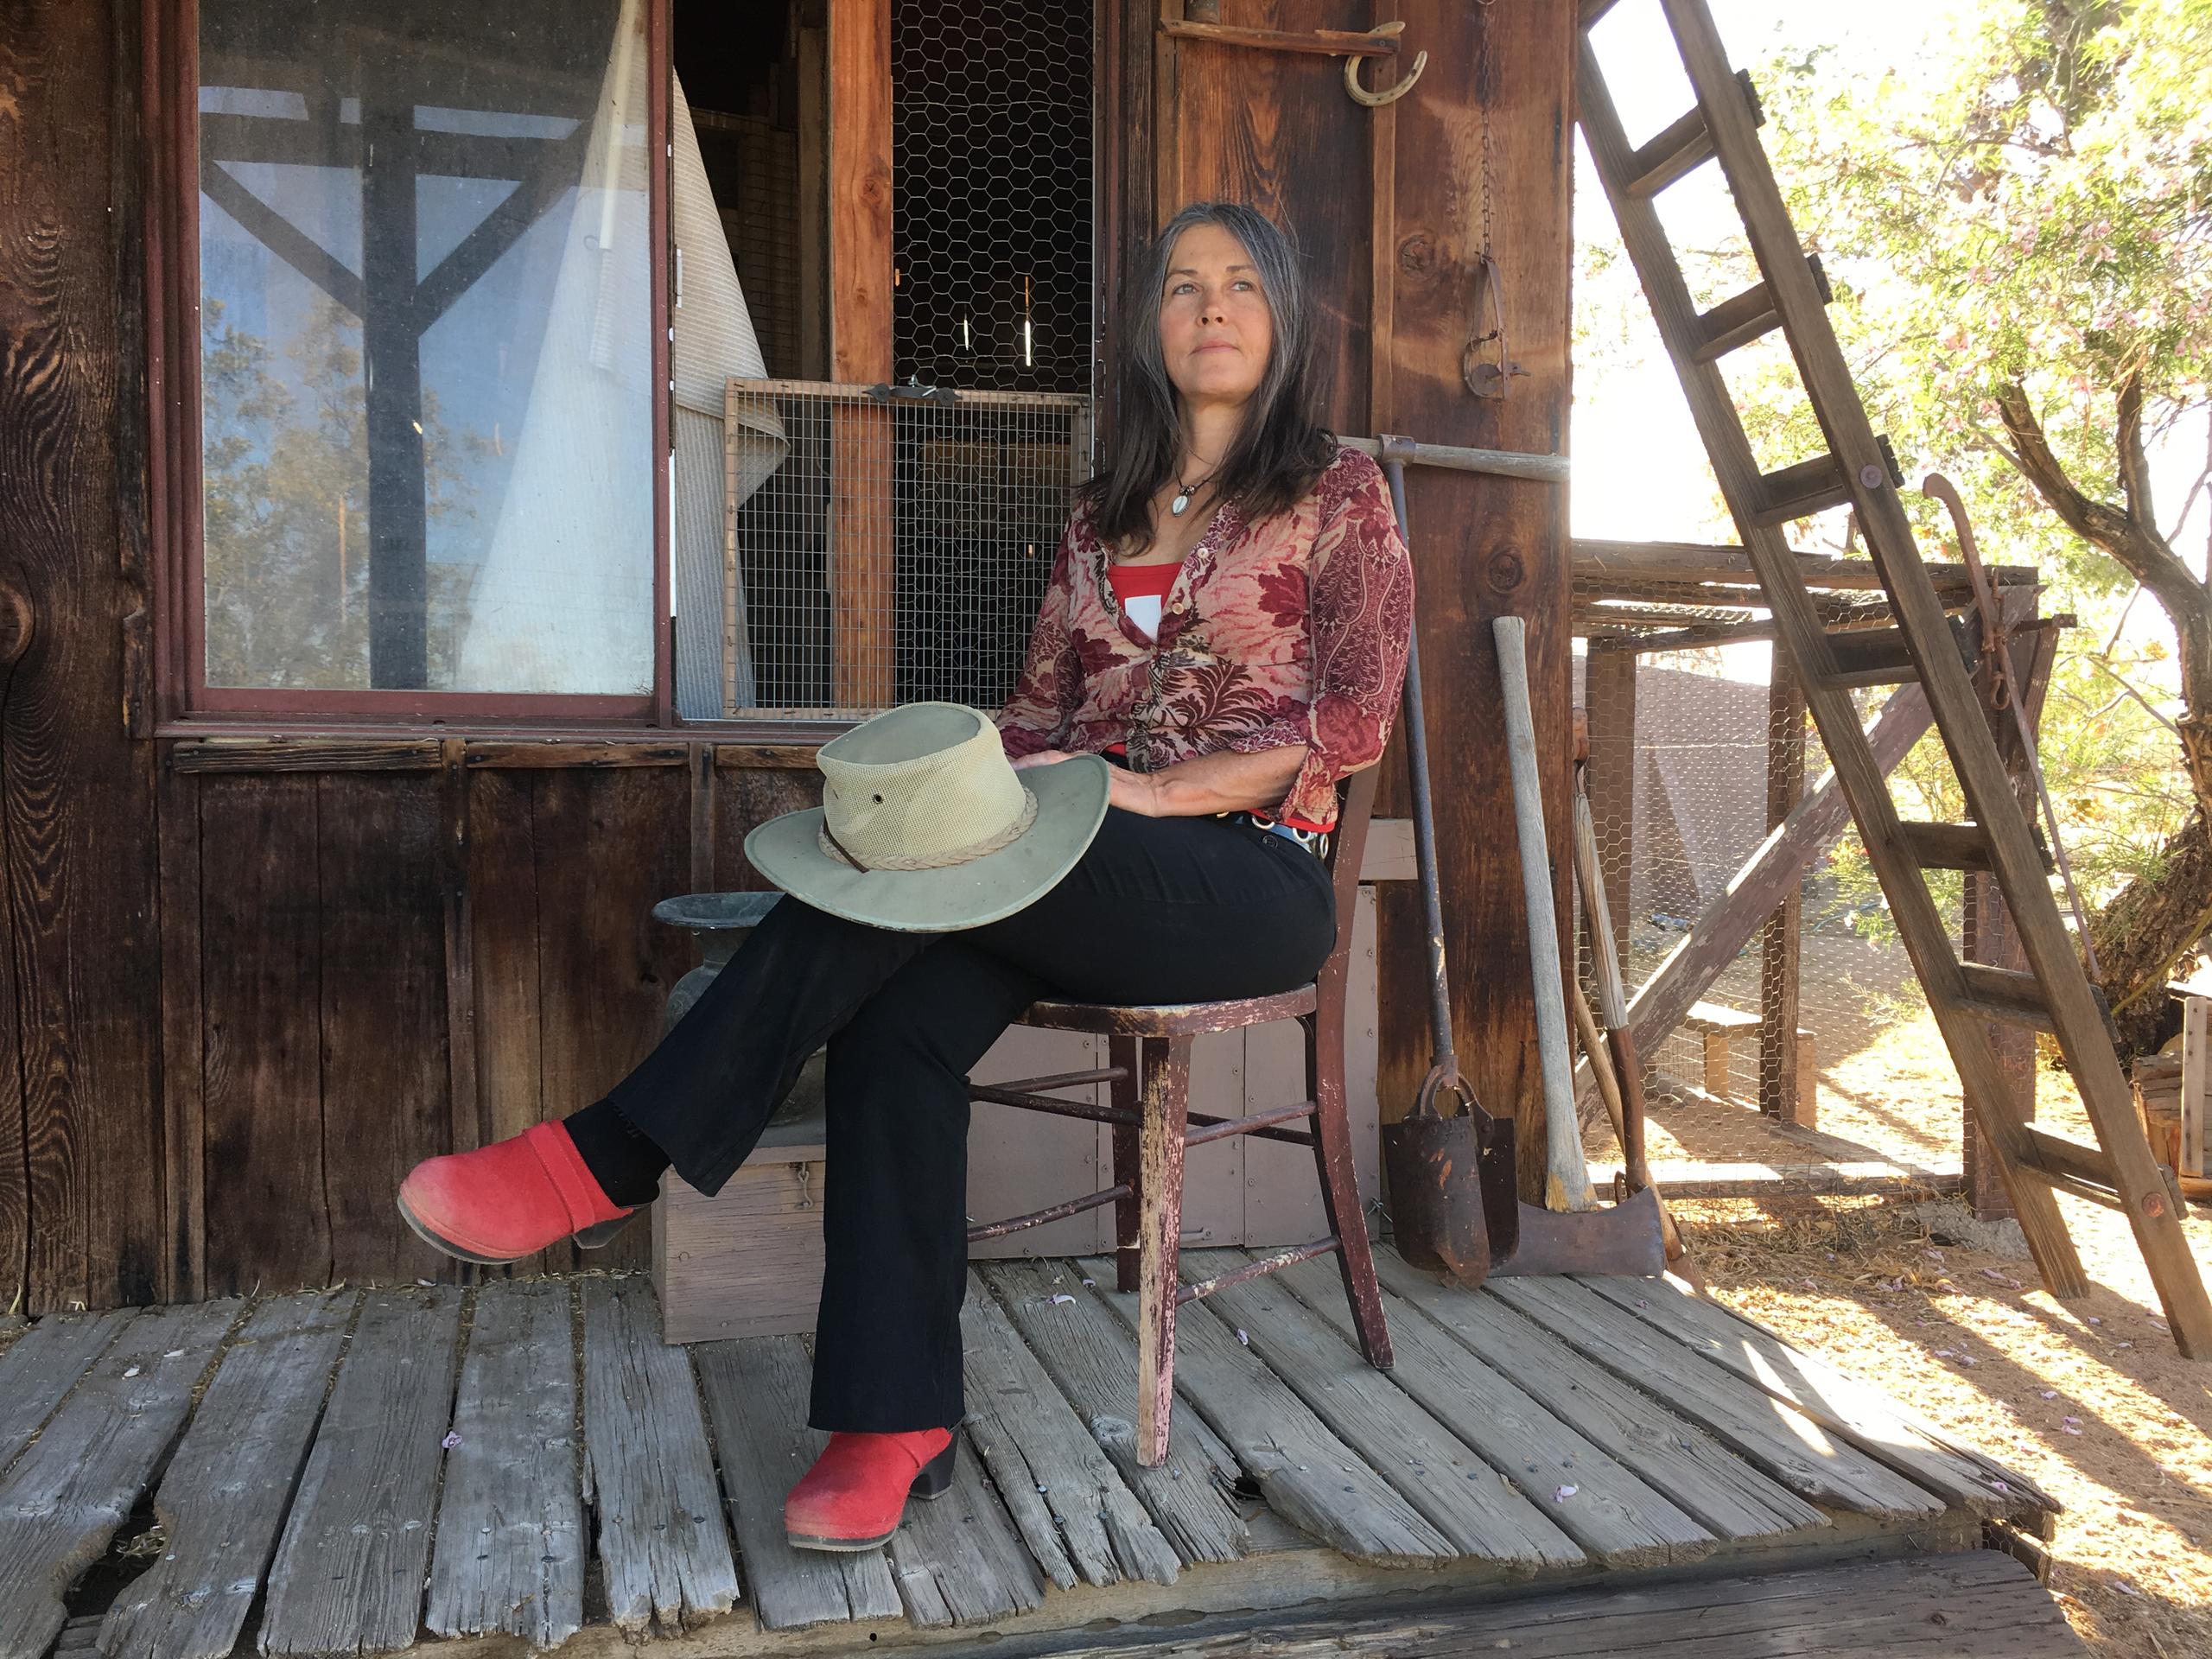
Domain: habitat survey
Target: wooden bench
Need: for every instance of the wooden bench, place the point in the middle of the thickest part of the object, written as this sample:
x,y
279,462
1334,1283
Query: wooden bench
x,y
1719,1026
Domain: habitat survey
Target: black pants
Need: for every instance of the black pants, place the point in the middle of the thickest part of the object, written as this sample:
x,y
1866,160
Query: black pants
x,y
1159,910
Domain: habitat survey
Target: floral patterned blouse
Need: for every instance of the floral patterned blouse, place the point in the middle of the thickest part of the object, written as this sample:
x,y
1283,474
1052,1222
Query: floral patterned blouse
x,y
1286,631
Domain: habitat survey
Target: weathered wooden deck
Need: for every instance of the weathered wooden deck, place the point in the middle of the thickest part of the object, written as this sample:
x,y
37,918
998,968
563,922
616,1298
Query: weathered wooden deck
x,y
353,1471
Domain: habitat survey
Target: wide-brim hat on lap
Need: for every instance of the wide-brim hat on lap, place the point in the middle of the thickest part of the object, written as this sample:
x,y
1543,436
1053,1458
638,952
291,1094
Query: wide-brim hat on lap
x,y
925,826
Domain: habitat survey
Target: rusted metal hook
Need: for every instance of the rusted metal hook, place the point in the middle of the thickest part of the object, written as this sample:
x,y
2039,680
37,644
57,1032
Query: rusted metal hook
x,y
1488,373
1395,92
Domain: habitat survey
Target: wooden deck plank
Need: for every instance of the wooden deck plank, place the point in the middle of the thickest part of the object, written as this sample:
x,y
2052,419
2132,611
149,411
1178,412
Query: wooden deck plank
x,y
511,1546
1772,1435
348,1575
1307,1474
1691,1467
225,1494
1529,1484
1973,1605
65,1497
756,1390
1832,1398
1075,1514
647,1468
1092,1360
960,1560
43,1364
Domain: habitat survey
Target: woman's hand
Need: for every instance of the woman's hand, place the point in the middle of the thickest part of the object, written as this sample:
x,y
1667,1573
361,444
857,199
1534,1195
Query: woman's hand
x,y
1042,758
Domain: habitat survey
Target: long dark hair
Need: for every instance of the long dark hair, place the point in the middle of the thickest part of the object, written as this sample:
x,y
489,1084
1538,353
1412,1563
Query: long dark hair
x,y
1281,449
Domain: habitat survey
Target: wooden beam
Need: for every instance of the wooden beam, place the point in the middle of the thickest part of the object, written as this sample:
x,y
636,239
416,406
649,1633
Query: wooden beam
x,y
1599,562
864,642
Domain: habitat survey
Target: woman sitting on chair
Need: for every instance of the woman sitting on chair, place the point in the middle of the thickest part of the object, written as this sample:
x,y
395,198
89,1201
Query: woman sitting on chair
x,y
1221,641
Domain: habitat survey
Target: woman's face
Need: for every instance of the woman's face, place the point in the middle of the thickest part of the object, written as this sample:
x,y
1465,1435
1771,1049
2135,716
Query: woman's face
x,y
1215,328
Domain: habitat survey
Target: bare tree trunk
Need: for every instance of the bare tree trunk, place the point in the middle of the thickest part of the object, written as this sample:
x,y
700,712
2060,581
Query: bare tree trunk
x,y
2148,926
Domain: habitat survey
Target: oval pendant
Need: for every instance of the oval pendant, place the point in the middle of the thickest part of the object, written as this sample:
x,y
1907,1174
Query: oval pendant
x,y
1176,507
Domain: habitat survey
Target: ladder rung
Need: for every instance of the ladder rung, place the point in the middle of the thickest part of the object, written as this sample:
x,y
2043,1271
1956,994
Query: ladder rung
x,y
1960,846
1946,846
1814,486
1594,9
1739,321
2073,1166
1682,146
2004,994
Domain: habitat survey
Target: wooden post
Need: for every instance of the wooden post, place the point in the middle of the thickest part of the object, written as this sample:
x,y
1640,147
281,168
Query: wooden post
x,y
1609,705
1989,935
862,575
1779,968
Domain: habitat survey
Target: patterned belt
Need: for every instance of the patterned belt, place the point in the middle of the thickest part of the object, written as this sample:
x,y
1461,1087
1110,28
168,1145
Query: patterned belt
x,y
1315,842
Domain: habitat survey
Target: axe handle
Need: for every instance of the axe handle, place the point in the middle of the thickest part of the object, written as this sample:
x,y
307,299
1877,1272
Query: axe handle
x,y
1566,1177
1629,1072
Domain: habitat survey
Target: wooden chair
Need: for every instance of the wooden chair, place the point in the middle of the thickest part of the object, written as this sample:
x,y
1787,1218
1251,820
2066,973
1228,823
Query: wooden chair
x,y
1149,1049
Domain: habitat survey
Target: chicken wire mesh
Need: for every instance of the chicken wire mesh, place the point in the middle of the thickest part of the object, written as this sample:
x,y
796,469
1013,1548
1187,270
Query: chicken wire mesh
x,y
1680,745
992,221
900,552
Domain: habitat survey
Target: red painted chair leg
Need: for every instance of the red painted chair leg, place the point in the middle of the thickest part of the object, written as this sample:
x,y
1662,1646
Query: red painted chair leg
x,y
1167,1080
1332,1159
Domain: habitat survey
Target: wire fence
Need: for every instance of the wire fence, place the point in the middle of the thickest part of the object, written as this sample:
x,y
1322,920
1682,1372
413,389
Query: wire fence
x,y
1681,744
900,550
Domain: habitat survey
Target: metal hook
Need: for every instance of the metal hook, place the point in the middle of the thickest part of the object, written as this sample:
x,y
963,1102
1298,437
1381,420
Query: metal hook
x,y
1488,374
1392,94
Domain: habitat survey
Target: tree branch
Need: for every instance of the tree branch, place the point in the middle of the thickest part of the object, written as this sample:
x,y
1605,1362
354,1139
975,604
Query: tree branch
x,y
2134,463
2138,548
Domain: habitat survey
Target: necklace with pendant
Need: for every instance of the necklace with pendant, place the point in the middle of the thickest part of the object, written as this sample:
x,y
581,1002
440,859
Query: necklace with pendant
x,y
1183,492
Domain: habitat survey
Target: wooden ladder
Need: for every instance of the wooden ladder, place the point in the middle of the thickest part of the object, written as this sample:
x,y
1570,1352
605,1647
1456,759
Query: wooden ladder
x,y
2055,994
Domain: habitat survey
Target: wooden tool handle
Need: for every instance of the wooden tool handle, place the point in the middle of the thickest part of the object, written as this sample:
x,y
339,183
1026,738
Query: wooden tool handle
x,y
1566,1177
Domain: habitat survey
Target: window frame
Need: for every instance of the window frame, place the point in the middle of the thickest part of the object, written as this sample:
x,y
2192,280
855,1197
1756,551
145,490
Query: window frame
x,y
183,699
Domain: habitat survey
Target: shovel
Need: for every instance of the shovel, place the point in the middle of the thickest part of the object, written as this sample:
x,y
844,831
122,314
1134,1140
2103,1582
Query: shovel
x,y
1452,1203
1568,1233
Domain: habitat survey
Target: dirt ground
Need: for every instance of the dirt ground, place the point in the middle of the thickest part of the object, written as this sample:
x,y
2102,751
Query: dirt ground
x,y
2088,1398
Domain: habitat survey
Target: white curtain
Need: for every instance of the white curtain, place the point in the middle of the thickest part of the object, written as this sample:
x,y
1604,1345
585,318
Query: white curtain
x,y
564,602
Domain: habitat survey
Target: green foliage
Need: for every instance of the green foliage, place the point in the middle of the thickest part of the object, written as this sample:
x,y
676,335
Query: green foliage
x,y
2031,205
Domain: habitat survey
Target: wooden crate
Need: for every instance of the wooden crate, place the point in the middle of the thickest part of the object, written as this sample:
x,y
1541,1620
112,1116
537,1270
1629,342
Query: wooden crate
x,y
2173,1096
747,1261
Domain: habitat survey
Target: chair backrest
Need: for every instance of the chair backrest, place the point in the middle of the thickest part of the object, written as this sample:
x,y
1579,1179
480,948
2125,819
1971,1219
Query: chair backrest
x,y
1347,851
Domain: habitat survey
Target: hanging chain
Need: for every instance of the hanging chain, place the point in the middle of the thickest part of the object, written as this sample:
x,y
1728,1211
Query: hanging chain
x,y
1486,98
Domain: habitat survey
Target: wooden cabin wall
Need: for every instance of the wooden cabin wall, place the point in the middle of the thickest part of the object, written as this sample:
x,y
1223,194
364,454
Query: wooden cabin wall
x,y
1389,207
81,1194
247,989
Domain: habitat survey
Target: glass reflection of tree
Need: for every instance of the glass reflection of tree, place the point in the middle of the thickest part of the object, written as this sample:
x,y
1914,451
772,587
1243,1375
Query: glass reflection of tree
x,y
388,62
285,469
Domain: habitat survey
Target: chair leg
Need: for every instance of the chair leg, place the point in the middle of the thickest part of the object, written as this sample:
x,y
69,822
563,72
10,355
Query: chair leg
x,y
1167,1078
1127,1096
1332,1160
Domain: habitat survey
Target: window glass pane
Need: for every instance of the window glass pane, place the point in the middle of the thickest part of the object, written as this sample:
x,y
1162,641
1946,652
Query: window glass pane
x,y
426,356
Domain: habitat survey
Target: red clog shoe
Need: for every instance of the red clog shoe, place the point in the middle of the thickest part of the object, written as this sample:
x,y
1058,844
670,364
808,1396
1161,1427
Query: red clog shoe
x,y
505,1201
855,1495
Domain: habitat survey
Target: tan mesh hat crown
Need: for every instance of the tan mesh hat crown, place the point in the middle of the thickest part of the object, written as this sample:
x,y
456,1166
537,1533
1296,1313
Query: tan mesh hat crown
x,y
924,827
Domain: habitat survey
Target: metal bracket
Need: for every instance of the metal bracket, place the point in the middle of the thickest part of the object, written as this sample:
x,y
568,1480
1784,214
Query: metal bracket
x,y
1381,41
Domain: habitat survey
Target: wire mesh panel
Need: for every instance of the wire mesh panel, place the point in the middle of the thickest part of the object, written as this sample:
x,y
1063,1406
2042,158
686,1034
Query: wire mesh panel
x,y
1678,778
902,551
992,221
